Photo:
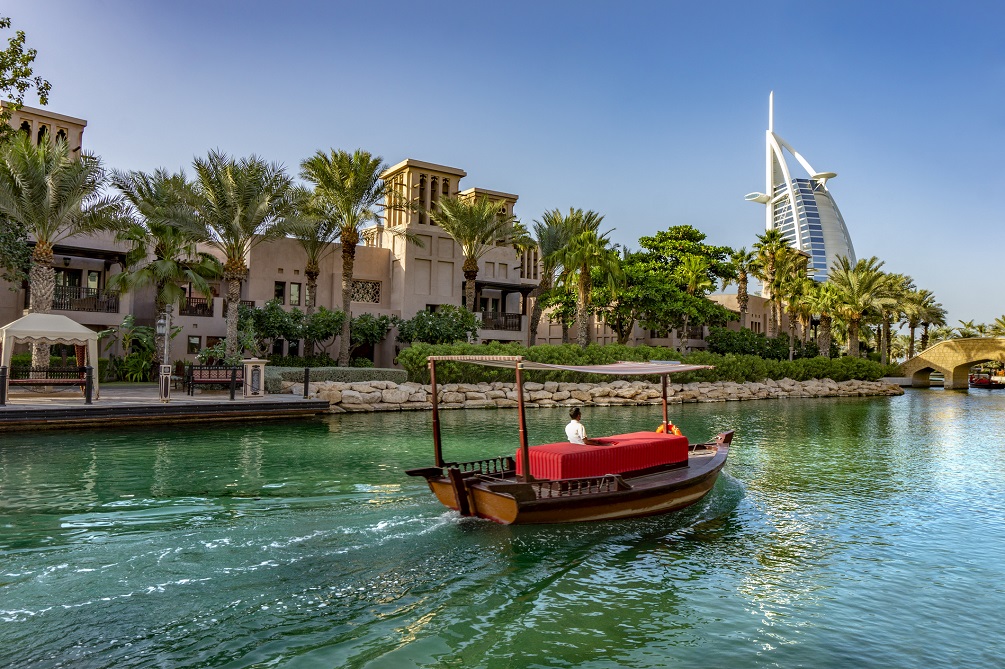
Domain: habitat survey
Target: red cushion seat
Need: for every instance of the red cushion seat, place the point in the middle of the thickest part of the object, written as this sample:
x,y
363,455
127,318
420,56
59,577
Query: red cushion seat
x,y
621,453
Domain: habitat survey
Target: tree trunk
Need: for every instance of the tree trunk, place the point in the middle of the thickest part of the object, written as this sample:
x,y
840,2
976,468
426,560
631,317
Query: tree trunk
x,y
42,282
824,335
470,269
537,311
565,332
348,261
924,337
769,278
853,337
582,308
233,280
910,346
161,310
792,337
684,340
310,301
884,340
742,298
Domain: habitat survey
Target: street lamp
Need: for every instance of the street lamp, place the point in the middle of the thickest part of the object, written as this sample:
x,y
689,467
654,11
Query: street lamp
x,y
164,380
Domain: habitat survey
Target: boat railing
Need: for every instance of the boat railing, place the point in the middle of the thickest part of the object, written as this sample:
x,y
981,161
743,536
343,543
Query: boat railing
x,y
582,486
498,465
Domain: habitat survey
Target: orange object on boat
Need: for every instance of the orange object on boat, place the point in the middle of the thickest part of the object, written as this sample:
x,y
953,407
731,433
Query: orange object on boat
x,y
673,430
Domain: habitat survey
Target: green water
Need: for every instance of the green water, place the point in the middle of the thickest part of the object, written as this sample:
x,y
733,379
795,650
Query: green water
x,y
843,533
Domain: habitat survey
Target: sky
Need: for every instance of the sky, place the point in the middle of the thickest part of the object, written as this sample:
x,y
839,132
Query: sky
x,y
650,113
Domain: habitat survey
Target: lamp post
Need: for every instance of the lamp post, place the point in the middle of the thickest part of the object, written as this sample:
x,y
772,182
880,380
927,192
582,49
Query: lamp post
x,y
164,380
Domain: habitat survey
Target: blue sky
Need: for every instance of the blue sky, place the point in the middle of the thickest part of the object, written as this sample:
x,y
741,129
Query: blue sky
x,y
650,113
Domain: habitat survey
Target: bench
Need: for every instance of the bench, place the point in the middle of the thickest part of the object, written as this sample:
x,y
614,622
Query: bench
x,y
214,375
48,377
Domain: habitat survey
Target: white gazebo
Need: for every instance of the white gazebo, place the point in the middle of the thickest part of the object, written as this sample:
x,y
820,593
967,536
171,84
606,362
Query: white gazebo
x,y
50,329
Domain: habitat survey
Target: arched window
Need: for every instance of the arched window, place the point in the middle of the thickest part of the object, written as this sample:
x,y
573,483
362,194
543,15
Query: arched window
x,y
26,128
422,198
43,130
446,186
61,135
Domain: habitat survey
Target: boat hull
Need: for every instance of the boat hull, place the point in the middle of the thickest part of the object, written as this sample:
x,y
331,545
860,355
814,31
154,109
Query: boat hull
x,y
511,502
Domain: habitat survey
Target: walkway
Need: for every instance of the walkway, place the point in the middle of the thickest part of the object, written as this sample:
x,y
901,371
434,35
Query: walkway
x,y
139,404
953,358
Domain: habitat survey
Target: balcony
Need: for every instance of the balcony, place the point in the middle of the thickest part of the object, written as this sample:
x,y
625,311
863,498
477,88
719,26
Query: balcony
x,y
79,298
197,306
494,320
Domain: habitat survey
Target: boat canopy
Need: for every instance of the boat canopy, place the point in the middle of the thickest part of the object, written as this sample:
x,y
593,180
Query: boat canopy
x,y
624,368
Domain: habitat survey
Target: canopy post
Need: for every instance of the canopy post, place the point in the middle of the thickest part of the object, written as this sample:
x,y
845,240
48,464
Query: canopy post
x,y
524,449
437,447
666,416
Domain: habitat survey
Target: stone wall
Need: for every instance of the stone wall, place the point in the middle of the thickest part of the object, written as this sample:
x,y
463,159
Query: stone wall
x,y
389,396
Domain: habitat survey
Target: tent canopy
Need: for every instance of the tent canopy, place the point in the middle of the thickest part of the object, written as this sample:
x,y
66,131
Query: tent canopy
x,y
615,369
49,329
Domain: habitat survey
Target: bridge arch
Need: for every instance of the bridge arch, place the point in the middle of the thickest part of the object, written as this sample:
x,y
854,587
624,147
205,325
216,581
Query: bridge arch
x,y
953,358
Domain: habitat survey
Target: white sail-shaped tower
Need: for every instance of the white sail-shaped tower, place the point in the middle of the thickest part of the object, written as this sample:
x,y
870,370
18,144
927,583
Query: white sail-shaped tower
x,y
802,207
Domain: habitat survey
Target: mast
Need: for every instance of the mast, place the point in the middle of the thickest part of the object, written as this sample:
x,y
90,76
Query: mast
x,y
524,448
437,447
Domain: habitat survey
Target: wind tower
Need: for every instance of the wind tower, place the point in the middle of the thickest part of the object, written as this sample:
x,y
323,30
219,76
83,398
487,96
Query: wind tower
x,y
801,207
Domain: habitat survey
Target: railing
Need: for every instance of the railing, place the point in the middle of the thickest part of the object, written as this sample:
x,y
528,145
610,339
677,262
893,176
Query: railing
x,y
695,332
197,306
79,298
493,320
498,465
574,487
247,303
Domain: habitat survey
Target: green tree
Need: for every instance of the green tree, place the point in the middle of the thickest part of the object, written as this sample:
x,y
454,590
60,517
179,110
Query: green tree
x,y
369,330
862,288
769,247
17,77
560,302
694,271
742,264
50,195
478,225
349,194
552,233
163,250
446,325
587,253
822,299
323,326
238,204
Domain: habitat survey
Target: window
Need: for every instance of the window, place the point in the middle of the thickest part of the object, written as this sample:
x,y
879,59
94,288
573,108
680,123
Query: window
x,y
213,341
26,128
42,132
280,292
93,279
277,346
295,294
61,134
366,291
293,348
194,344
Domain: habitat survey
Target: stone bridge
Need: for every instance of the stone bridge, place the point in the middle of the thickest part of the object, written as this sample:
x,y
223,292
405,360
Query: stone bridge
x,y
953,358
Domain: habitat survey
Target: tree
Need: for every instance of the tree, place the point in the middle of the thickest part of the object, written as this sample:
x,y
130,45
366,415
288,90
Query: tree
x,y
15,253
742,264
862,288
560,302
369,330
552,233
920,306
17,77
446,325
478,225
51,196
899,286
238,204
695,274
587,252
349,193
769,248
822,299
163,251
316,229
323,326
998,327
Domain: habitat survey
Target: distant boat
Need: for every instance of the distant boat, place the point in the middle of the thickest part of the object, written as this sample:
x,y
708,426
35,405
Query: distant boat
x,y
640,473
986,381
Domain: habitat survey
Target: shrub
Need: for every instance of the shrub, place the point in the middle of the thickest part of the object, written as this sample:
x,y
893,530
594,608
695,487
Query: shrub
x,y
340,374
748,342
317,360
445,325
730,367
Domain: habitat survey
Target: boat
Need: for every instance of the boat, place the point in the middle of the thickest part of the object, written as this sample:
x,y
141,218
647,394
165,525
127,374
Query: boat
x,y
986,381
629,475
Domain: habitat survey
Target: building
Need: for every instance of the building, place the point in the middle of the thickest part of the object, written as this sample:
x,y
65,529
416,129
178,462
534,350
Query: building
x,y
802,207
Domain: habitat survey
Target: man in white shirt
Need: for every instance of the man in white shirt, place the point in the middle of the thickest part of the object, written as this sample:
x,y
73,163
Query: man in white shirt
x,y
575,430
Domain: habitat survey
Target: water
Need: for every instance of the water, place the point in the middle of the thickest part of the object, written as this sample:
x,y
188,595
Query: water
x,y
843,532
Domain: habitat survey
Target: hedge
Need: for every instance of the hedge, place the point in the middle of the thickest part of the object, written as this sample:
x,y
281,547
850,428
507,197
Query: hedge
x,y
274,376
730,367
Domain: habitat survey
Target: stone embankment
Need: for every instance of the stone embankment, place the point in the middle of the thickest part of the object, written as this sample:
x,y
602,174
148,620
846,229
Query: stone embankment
x,y
388,396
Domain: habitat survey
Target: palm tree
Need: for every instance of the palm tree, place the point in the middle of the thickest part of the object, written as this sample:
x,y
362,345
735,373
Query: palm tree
x,y
998,327
791,275
163,251
918,306
552,233
900,286
478,225
51,195
862,287
316,230
238,204
349,192
742,263
587,251
694,272
967,330
932,314
769,248
823,299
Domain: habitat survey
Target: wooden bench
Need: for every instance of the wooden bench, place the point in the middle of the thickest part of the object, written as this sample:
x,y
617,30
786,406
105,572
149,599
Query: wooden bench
x,y
213,375
48,377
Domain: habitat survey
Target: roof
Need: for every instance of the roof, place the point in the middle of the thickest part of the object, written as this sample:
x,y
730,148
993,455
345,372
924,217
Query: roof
x,y
623,368
50,327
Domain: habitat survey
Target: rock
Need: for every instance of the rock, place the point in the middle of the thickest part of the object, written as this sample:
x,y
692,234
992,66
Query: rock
x,y
551,386
531,386
496,394
600,391
480,404
351,397
385,406
504,402
357,408
394,396
452,398
333,396
475,396
421,396
335,409
628,392
372,397
581,395
539,395
416,406
561,395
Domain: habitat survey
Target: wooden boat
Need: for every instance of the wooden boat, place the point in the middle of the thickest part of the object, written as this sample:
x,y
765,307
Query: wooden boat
x,y
628,475
986,381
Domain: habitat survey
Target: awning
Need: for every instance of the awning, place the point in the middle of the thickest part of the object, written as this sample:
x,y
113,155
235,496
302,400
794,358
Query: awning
x,y
625,368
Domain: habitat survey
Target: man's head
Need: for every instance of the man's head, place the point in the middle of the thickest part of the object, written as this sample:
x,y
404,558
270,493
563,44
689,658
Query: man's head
x,y
575,413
